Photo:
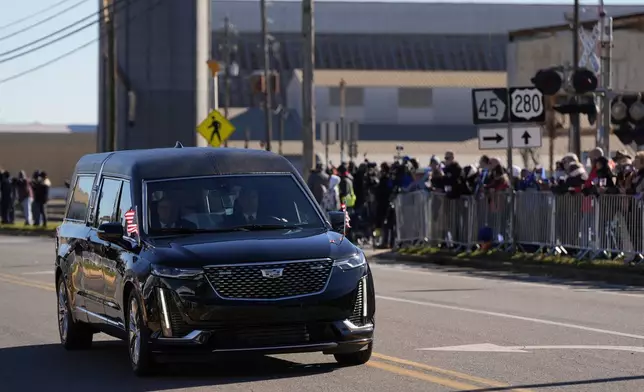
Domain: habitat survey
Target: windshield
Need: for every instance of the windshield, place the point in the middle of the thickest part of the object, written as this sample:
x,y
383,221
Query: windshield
x,y
228,203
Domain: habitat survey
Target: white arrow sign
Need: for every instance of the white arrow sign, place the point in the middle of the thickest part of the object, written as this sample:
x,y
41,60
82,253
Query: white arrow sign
x,y
493,348
489,106
493,138
526,137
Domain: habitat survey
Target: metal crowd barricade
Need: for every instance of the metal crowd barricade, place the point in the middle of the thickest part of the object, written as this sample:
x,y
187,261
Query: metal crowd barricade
x,y
588,226
450,221
412,217
620,220
495,211
534,219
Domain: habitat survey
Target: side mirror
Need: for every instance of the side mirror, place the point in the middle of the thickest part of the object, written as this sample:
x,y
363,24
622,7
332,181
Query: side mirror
x,y
111,232
337,220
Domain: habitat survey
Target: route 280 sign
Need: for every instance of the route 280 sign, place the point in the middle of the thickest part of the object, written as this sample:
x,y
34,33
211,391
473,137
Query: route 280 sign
x,y
517,105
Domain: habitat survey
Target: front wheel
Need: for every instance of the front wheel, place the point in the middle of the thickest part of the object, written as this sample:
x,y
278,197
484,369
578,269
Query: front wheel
x,y
73,335
356,358
138,338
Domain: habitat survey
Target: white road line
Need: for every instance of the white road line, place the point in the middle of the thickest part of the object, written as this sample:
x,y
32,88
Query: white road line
x,y
560,285
38,273
512,316
493,348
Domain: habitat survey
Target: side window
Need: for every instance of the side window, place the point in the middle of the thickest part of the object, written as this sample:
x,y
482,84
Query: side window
x,y
80,198
125,204
107,201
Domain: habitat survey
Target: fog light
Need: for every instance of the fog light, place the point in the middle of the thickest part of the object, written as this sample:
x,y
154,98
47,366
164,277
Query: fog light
x,y
165,316
364,298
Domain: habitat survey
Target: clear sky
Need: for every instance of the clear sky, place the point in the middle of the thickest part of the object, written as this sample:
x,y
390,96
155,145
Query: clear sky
x,y
65,92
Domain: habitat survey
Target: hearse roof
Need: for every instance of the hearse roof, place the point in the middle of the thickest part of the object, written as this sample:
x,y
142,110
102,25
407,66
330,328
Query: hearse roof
x,y
162,163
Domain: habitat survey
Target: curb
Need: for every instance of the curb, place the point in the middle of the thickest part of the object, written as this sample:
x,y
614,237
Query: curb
x,y
536,269
27,233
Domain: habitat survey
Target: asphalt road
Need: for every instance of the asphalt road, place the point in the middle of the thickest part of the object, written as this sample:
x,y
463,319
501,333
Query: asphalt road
x,y
520,334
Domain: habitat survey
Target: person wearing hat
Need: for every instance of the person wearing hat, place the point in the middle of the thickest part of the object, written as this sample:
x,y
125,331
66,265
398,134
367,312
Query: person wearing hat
x,y
623,170
41,186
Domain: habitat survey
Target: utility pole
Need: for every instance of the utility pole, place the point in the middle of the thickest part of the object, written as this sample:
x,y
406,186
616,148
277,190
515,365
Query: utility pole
x,y
574,136
283,114
108,6
343,89
606,42
267,77
227,50
308,82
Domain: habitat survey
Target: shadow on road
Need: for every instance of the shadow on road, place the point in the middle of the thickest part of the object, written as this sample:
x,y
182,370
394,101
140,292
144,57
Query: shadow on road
x,y
562,384
106,367
509,275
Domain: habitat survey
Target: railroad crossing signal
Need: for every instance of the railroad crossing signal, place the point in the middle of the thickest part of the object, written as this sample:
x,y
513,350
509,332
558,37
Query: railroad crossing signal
x,y
517,105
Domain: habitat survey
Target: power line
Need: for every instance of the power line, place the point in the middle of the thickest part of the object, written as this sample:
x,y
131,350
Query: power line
x,y
77,49
47,19
42,11
62,30
78,30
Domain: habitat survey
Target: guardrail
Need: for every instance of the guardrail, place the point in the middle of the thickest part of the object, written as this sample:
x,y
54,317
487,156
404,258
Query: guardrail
x,y
588,227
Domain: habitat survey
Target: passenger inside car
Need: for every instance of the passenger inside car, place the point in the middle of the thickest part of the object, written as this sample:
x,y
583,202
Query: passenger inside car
x,y
167,215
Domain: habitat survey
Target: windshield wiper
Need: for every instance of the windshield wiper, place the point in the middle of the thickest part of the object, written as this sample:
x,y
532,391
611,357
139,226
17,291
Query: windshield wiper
x,y
256,227
250,227
183,230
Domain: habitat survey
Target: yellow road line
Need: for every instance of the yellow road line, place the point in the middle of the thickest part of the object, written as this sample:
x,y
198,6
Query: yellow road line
x,y
22,282
446,372
375,364
422,376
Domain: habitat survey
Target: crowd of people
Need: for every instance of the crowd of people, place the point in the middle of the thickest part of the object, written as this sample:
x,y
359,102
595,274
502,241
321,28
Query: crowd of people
x,y
24,194
368,189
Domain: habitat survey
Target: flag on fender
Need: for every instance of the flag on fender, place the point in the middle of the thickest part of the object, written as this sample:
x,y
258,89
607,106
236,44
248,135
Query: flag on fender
x,y
347,219
131,222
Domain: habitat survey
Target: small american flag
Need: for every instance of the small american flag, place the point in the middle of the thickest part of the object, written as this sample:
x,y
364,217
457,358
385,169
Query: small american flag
x,y
347,219
131,225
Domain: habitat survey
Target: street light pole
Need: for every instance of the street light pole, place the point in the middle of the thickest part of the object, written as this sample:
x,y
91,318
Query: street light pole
x,y
308,97
268,107
574,137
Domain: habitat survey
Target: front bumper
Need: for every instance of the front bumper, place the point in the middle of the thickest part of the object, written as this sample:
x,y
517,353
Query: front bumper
x,y
191,321
341,337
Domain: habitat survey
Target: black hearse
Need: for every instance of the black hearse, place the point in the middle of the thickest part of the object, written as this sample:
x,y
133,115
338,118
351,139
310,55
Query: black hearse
x,y
185,252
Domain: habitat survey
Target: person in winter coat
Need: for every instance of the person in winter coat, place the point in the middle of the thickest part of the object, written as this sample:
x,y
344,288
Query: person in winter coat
x,y
331,198
41,188
317,182
24,195
6,198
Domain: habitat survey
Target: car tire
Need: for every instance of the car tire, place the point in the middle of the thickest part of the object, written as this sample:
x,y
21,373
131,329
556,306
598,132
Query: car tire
x,y
74,335
356,358
138,338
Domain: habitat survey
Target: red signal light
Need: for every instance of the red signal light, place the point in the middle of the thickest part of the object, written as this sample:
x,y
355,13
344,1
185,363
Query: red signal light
x,y
584,81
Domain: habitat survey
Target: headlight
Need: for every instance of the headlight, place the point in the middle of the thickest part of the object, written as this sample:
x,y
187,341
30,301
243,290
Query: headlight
x,y
352,262
176,273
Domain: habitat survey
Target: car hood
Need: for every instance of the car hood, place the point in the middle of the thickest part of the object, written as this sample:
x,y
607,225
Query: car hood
x,y
248,247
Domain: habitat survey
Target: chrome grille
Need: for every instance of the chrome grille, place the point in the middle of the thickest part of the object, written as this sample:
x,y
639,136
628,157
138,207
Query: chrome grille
x,y
270,281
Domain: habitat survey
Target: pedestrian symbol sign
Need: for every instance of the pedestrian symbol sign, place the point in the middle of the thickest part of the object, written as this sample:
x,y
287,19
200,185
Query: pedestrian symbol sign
x,y
215,129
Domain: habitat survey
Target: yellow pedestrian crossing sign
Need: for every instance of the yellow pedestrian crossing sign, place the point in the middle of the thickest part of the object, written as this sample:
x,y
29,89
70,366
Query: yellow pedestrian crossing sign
x,y
215,129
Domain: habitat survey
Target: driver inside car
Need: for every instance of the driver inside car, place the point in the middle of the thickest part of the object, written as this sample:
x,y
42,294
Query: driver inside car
x,y
245,209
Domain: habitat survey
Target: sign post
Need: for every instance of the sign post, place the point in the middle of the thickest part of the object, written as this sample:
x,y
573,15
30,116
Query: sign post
x,y
328,136
353,138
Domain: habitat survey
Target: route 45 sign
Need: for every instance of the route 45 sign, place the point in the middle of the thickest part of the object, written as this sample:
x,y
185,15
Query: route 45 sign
x,y
516,105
